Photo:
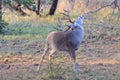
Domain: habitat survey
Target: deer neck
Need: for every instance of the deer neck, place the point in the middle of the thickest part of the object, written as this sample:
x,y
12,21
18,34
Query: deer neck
x,y
78,27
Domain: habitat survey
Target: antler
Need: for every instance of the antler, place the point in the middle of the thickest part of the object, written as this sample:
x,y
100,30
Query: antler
x,y
67,13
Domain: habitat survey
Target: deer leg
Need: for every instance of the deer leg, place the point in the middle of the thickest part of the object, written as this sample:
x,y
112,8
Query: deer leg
x,y
75,65
41,61
50,55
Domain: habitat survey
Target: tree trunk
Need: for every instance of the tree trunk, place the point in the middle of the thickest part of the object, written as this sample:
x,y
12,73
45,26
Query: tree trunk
x,y
1,16
38,7
0,9
53,7
87,3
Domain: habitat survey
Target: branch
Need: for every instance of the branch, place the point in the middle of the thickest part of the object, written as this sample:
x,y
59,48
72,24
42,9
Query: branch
x,y
116,6
29,8
112,14
18,8
100,8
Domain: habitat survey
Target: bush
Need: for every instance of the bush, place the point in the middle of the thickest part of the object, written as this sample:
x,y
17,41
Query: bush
x,y
2,25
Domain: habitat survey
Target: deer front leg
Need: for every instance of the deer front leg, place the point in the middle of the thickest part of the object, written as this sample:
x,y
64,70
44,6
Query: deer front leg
x,y
50,55
75,65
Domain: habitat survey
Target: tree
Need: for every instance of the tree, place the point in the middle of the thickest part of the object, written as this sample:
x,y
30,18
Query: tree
x,y
1,16
38,6
0,9
53,7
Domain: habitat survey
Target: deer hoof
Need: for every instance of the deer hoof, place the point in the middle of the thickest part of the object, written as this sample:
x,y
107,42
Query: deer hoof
x,y
76,68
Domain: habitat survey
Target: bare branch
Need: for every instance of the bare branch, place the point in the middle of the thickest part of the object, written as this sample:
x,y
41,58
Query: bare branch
x,y
100,8
29,8
18,8
117,5
112,14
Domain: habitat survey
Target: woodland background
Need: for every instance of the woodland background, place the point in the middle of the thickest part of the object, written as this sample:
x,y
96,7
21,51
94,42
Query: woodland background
x,y
24,25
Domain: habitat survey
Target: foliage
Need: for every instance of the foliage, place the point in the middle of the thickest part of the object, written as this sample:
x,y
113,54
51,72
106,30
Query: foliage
x,y
17,5
24,2
3,24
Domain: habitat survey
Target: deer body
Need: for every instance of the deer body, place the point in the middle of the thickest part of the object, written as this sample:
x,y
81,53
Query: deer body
x,y
62,41
65,41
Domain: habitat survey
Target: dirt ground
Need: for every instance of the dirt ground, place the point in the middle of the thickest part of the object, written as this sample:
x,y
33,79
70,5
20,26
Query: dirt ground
x,y
98,60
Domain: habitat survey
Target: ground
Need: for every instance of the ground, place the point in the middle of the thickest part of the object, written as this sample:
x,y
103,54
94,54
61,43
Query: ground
x,y
98,60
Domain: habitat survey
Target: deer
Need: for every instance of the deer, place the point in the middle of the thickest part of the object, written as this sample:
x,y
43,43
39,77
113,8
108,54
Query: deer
x,y
68,40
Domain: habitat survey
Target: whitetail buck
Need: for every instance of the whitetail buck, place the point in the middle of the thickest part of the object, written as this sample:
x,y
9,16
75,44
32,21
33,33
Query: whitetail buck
x,y
65,41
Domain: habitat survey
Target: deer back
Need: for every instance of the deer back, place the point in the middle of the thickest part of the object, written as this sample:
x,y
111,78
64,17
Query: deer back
x,y
62,40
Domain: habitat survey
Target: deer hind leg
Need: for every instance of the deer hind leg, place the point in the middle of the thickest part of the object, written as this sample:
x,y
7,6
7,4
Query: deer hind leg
x,y
50,55
41,61
75,65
